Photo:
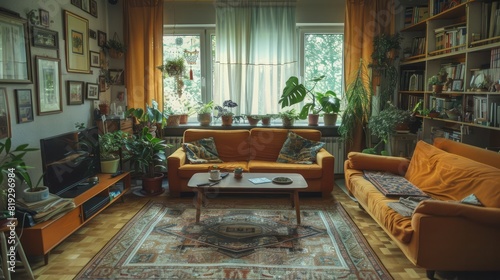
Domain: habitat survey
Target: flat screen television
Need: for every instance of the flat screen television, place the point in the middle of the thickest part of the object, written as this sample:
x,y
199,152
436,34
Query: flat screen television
x,y
69,160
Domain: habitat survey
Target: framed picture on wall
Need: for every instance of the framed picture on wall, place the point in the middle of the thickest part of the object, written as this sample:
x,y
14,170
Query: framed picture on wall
x,y
45,38
116,76
48,73
93,8
92,91
75,92
102,83
4,115
95,59
77,43
15,50
44,18
77,3
101,38
24,106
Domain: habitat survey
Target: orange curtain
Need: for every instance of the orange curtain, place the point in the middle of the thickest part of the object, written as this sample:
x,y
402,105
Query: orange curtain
x,y
144,38
364,19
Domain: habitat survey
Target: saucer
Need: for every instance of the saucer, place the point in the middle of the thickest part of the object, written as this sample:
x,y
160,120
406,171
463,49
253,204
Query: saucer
x,y
214,180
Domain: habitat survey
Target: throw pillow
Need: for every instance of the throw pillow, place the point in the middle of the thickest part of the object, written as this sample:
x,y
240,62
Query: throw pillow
x,y
298,149
472,200
202,151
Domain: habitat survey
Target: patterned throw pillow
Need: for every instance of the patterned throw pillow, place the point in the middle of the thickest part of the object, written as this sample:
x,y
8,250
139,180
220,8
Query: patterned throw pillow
x,y
202,151
298,149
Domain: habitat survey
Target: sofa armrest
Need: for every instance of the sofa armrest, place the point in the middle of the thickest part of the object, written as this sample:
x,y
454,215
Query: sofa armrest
x,y
486,215
326,161
174,162
361,161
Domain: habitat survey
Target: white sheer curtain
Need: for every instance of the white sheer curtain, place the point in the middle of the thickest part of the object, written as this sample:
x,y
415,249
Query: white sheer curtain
x,y
255,53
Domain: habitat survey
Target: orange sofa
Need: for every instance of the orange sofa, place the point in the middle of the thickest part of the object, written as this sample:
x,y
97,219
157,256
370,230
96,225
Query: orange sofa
x,y
255,150
442,234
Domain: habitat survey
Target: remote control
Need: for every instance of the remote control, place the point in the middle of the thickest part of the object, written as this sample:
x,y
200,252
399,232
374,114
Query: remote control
x,y
224,175
116,174
203,184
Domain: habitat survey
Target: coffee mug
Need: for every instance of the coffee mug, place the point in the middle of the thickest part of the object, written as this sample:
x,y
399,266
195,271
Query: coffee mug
x,y
214,174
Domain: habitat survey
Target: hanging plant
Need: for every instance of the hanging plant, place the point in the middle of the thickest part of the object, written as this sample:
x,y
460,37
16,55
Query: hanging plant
x,y
173,67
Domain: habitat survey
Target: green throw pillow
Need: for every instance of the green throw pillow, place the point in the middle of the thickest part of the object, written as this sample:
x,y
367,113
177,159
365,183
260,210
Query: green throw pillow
x,y
202,151
298,149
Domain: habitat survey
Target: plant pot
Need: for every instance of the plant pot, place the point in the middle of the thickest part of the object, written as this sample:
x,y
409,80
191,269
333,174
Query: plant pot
x,y
437,88
173,120
252,121
205,119
153,186
330,119
110,166
184,119
113,53
227,120
104,109
313,119
41,193
266,120
287,121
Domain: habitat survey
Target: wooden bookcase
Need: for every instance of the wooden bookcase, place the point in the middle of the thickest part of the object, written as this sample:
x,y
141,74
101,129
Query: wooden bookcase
x,y
455,37
40,239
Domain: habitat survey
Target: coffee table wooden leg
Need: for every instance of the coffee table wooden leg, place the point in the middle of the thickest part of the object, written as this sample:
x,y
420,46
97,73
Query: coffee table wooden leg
x,y
199,200
292,198
297,205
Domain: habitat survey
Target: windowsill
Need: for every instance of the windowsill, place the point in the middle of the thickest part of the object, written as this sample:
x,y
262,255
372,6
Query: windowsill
x,y
326,131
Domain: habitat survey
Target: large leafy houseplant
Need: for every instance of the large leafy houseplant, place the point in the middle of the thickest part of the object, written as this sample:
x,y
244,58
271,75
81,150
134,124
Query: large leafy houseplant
x,y
295,92
110,144
147,153
149,117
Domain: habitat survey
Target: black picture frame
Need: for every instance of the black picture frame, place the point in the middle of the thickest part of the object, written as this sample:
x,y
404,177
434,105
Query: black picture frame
x,y
101,38
44,38
92,91
93,8
74,92
44,17
77,3
95,59
116,76
24,105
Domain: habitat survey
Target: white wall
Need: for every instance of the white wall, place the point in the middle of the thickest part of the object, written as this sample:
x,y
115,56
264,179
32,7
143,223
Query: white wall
x,y
49,125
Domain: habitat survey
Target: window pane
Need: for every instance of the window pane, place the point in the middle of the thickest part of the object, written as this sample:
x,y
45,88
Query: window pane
x,y
323,55
182,46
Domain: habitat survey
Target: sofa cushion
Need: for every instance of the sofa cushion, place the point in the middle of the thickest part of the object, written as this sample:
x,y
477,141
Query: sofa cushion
x,y
447,176
266,143
232,145
298,149
392,185
202,151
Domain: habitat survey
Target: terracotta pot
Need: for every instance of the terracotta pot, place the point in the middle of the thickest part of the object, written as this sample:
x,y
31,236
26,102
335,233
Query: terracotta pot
x,y
437,88
153,186
173,120
104,109
227,120
252,121
313,119
184,119
266,120
330,119
287,122
205,119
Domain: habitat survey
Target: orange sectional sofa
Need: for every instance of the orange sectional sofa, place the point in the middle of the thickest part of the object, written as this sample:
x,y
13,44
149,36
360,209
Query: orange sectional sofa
x,y
255,150
443,234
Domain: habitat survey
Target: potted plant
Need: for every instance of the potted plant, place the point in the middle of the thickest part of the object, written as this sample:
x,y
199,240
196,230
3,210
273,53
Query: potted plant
x,y
387,123
115,48
385,48
357,108
150,117
147,154
437,81
205,113
173,67
225,113
253,120
288,117
12,162
330,105
110,145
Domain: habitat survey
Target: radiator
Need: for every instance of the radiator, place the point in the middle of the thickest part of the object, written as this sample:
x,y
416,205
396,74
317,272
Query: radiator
x,y
336,147
332,144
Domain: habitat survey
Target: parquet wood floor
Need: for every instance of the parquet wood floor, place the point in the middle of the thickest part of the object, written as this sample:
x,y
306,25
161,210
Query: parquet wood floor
x,y
67,259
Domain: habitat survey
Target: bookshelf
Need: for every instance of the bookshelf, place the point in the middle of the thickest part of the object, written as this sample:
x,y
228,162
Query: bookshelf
x,y
463,38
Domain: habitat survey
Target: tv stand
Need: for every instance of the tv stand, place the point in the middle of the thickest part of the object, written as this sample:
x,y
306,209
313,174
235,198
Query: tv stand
x,y
40,239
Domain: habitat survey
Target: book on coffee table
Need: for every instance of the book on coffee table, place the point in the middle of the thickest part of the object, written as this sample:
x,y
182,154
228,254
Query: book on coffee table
x,y
260,180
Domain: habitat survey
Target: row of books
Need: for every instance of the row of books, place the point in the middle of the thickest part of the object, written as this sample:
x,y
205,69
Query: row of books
x,y
408,102
450,36
416,14
441,104
439,6
456,71
495,58
490,19
418,46
444,132
487,110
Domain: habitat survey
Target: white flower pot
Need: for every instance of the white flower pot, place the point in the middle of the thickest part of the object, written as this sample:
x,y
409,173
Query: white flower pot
x,y
30,196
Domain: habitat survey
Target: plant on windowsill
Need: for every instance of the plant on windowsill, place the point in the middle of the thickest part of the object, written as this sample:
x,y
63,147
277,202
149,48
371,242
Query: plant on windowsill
x,y
205,113
225,113
151,117
387,123
288,117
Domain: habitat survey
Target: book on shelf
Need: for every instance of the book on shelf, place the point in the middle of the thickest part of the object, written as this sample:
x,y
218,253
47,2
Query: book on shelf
x,y
412,80
450,36
495,58
415,14
480,107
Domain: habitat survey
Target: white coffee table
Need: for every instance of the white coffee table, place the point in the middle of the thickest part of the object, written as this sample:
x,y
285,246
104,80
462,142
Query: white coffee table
x,y
243,185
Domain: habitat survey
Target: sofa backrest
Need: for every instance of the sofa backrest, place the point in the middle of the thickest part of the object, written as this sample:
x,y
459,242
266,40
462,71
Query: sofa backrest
x,y
232,145
266,143
447,176
475,153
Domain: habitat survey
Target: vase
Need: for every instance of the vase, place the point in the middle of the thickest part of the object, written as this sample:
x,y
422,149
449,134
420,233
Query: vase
x,y
227,120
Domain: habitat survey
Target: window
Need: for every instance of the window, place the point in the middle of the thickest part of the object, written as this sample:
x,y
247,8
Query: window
x,y
321,53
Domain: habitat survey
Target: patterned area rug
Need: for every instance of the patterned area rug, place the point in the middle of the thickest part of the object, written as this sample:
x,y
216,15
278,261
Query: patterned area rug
x,y
164,242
